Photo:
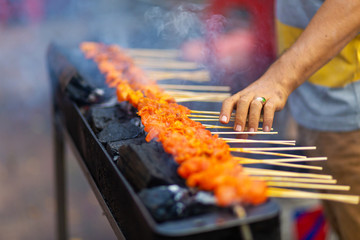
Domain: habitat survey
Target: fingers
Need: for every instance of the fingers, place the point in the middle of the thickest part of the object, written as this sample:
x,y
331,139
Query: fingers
x,y
227,108
248,108
269,111
242,109
254,115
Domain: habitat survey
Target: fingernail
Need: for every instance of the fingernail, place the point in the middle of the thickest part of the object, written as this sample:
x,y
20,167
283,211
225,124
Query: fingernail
x,y
238,128
251,130
266,129
224,118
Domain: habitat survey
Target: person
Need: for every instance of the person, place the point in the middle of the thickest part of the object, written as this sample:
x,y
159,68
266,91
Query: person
x,y
318,76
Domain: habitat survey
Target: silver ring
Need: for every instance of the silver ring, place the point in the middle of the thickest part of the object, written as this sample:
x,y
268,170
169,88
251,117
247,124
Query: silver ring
x,y
261,99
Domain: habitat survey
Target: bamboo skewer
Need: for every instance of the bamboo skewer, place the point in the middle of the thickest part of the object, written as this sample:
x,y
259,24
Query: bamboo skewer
x,y
308,185
205,116
208,112
280,142
278,173
194,76
287,193
167,64
275,154
282,164
201,99
140,60
224,127
272,149
216,117
211,117
306,159
244,228
236,133
183,78
189,94
206,119
297,179
196,87
229,127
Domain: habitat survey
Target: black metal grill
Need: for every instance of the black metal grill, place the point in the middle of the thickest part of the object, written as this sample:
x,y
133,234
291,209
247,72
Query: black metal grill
x,y
120,202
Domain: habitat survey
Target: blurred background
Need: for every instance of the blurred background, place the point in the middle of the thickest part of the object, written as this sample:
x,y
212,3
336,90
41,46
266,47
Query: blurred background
x,y
234,38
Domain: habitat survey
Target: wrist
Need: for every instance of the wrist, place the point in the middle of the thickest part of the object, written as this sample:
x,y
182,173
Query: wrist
x,y
284,75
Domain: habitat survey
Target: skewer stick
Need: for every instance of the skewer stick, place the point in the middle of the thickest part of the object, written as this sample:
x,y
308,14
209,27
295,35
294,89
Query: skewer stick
x,y
306,159
272,149
208,112
200,79
200,96
166,64
189,94
308,185
206,119
244,228
206,116
215,114
287,193
145,61
297,179
278,173
196,87
275,154
217,117
200,99
205,96
257,133
210,117
280,142
228,127
194,76
282,164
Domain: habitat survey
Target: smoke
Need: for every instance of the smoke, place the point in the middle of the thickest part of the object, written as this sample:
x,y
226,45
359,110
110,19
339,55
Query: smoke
x,y
182,22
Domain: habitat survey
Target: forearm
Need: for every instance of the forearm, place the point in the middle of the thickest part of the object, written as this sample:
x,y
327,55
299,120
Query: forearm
x,y
332,27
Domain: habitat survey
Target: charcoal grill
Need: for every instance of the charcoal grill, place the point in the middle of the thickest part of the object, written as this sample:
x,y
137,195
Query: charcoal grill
x,y
126,214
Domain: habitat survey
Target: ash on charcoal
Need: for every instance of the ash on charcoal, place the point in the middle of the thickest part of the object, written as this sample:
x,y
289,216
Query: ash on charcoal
x,y
147,165
174,202
117,130
113,147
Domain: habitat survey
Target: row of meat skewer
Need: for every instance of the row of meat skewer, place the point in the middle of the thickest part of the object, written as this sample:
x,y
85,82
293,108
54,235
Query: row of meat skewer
x,y
205,159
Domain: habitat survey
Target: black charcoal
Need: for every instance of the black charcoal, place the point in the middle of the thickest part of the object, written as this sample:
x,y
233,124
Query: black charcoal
x,y
147,166
102,116
113,147
116,131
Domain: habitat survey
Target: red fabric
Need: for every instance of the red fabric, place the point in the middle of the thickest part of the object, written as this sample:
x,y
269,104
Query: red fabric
x,y
311,225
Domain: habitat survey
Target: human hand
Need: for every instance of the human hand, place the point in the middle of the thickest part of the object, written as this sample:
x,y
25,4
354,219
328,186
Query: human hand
x,y
249,107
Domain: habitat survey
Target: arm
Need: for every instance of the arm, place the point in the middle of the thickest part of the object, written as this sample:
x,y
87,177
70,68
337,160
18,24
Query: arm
x,y
335,24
